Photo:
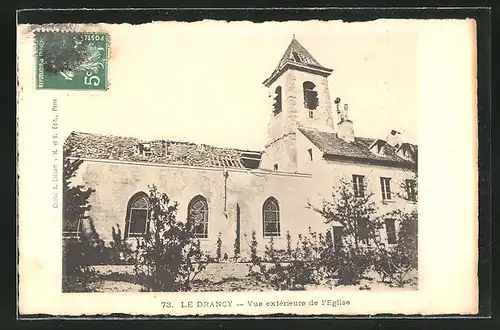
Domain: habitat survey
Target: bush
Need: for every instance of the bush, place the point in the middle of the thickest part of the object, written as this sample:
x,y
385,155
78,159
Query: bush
x,y
236,248
77,258
254,258
168,257
393,264
120,251
352,264
289,269
218,250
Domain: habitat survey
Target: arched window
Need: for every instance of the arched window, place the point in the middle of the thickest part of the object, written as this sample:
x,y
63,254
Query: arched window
x,y
277,100
310,97
136,223
198,216
271,217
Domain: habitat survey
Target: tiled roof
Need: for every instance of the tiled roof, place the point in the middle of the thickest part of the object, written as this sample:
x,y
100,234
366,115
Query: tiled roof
x,y
97,146
304,57
299,58
331,145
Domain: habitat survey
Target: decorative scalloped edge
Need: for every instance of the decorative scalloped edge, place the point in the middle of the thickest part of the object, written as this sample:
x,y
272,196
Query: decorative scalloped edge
x,y
67,28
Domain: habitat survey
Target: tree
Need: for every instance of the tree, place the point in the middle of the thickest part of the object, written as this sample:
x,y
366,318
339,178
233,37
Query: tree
x,y
360,222
395,262
356,214
168,258
80,252
290,269
76,203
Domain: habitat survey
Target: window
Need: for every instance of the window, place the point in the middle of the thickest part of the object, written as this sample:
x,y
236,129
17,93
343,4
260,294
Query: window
x,y
364,231
390,229
277,100
72,228
198,216
359,185
275,167
137,215
385,184
310,151
310,97
271,217
411,190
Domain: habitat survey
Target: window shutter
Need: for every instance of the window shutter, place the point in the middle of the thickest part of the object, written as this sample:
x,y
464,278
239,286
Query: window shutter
x,y
382,187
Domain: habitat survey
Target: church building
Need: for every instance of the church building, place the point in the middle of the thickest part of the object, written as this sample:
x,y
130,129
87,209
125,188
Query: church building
x,y
311,146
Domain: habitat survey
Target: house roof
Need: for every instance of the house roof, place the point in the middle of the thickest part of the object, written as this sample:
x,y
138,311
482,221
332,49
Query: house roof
x,y
97,146
334,147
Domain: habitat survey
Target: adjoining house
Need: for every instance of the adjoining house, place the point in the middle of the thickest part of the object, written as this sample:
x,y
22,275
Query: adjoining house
x,y
232,192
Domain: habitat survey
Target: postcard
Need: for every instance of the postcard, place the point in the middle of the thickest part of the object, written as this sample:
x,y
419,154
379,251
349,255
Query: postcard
x,y
241,168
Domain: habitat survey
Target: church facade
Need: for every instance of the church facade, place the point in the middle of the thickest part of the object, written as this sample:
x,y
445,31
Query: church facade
x,y
311,147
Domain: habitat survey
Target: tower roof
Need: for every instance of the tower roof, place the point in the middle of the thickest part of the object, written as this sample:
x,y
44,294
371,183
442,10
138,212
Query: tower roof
x,y
297,53
298,57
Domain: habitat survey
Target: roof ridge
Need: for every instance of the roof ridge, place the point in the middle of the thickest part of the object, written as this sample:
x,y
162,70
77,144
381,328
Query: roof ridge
x,y
334,133
161,140
330,144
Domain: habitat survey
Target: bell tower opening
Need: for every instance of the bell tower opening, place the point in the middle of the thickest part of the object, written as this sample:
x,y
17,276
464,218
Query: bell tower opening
x,y
300,97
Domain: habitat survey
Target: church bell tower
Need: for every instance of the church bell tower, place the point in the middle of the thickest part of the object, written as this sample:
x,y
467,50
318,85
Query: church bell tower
x,y
300,98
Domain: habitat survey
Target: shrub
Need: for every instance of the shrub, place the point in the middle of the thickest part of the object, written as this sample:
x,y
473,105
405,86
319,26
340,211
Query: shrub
x,y
360,222
77,259
288,244
289,269
393,264
168,257
218,248
120,251
352,264
236,247
254,258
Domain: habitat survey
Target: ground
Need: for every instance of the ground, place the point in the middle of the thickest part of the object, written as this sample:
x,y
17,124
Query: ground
x,y
217,277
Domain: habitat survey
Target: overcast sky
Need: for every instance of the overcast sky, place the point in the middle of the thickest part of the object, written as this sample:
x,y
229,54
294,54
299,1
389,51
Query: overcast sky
x,y
202,82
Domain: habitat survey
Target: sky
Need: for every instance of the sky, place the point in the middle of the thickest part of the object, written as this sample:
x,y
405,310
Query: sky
x,y
202,82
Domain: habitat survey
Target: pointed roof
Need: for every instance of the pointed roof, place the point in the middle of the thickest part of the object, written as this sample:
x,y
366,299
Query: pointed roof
x,y
297,53
297,57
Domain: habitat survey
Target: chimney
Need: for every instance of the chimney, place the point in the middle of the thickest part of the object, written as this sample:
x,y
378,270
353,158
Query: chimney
x,y
394,138
345,129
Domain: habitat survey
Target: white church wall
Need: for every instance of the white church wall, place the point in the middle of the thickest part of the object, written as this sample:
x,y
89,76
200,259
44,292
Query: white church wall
x,y
116,182
328,174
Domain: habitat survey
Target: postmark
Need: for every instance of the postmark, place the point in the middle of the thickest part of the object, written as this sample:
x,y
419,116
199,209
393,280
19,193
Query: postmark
x,y
71,60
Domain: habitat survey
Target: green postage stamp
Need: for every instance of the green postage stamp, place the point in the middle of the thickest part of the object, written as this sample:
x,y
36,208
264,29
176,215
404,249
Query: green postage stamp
x,y
72,60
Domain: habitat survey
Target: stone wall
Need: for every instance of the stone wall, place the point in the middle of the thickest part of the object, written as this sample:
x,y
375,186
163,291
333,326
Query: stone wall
x,y
281,145
115,183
